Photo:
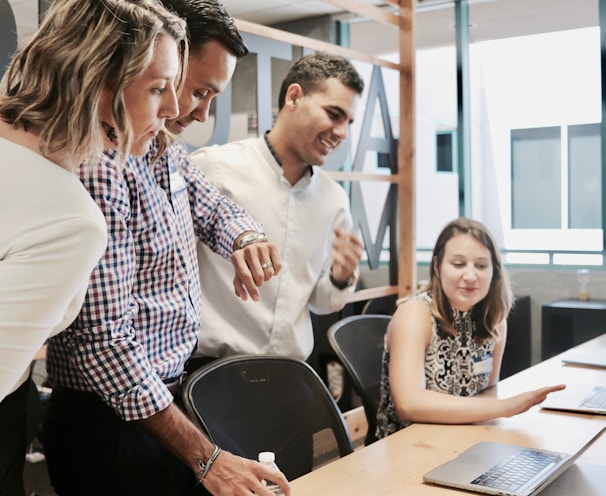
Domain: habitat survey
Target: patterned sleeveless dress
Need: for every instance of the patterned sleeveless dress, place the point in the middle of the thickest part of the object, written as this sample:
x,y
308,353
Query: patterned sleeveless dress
x,y
449,366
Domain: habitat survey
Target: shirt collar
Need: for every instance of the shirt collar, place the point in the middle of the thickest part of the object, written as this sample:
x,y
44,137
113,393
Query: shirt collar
x,y
275,155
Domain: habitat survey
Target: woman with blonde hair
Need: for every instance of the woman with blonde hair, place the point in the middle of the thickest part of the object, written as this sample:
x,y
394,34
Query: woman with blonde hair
x,y
445,344
96,74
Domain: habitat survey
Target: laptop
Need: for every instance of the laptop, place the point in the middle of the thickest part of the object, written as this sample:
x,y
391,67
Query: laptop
x,y
504,469
593,357
583,398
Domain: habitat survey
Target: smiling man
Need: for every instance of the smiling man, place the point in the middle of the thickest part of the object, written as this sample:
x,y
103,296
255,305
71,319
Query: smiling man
x,y
278,179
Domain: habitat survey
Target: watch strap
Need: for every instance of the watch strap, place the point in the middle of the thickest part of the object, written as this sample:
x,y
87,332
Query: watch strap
x,y
342,284
250,238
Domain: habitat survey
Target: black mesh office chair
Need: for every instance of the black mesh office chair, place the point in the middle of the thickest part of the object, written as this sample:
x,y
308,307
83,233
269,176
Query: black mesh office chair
x,y
358,343
249,404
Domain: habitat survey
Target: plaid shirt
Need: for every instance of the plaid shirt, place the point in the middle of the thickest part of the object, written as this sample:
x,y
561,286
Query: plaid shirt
x,y
141,317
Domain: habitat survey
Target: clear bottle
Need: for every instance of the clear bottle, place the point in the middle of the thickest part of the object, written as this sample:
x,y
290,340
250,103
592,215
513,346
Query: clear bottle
x,y
269,458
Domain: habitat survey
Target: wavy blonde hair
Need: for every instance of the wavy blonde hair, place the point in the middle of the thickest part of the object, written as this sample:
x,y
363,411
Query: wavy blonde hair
x,y
53,84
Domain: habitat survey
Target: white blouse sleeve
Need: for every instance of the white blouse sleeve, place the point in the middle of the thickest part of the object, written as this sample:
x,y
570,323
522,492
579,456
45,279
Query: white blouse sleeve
x,y
47,253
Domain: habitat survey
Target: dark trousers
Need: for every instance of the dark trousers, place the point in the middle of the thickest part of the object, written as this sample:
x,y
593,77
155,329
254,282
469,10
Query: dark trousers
x,y
13,424
91,451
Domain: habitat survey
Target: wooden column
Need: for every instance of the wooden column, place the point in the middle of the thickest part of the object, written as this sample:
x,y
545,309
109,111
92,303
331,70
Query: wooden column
x,y
407,266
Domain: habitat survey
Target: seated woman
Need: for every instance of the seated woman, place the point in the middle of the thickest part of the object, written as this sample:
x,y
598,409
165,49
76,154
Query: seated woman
x,y
445,344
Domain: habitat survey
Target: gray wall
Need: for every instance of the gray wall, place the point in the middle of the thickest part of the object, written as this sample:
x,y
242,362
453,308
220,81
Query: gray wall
x,y
546,286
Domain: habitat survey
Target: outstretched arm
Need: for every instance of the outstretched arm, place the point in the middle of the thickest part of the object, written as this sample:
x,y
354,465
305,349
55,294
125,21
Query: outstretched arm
x,y
408,337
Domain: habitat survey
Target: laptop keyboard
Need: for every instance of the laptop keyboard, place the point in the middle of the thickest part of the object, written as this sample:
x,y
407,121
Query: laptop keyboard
x,y
596,399
516,470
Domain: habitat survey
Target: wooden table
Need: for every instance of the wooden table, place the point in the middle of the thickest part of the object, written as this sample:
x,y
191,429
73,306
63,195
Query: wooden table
x,y
395,465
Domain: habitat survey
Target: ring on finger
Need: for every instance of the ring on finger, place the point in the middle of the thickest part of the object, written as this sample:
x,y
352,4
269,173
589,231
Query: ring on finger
x,y
267,265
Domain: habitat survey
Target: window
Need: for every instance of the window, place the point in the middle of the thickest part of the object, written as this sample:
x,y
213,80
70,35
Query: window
x,y
555,189
556,177
446,151
536,178
585,177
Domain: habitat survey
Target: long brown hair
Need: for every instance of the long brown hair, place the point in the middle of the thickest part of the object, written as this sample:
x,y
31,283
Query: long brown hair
x,y
496,305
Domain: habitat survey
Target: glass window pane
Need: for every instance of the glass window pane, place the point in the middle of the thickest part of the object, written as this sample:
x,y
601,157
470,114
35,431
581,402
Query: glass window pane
x,y
445,145
536,178
584,152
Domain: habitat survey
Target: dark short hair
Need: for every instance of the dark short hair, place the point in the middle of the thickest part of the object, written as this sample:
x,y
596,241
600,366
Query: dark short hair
x,y
311,72
208,20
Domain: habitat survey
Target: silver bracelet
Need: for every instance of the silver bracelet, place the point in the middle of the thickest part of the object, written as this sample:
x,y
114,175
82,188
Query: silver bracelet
x,y
205,467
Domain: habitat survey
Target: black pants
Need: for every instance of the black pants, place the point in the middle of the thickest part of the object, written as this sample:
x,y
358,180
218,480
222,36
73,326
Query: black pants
x,y
91,451
13,440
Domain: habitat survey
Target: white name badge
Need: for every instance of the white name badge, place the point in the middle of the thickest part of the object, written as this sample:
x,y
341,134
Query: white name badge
x,y
482,366
177,183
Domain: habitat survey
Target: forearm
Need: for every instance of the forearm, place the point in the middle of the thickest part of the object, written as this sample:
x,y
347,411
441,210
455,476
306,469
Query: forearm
x,y
171,428
326,297
228,474
218,220
441,408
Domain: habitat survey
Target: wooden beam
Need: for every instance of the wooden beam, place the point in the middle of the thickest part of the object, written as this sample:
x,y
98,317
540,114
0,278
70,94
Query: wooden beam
x,y
357,424
366,10
372,293
320,46
362,176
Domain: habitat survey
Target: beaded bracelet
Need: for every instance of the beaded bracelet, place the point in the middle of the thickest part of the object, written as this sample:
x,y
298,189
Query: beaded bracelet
x,y
205,467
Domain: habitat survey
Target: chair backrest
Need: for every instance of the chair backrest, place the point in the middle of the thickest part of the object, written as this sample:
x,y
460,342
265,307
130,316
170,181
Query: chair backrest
x,y
381,305
358,343
253,403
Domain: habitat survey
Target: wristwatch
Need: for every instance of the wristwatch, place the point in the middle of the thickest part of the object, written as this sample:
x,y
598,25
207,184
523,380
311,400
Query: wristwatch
x,y
250,238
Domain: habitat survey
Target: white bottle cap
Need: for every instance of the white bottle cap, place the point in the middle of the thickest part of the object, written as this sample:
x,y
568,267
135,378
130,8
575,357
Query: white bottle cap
x,y
267,457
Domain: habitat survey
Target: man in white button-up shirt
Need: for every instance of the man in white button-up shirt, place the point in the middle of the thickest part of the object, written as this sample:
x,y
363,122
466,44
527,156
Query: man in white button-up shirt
x,y
277,178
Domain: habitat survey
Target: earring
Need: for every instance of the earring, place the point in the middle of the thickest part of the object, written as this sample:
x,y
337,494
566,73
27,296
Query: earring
x,y
110,132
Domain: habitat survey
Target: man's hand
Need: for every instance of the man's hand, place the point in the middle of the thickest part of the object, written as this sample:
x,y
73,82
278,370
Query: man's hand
x,y
229,475
346,255
253,265
232,475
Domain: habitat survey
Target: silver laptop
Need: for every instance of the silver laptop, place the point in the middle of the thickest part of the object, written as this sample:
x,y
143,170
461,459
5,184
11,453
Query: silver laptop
x,y
594,357
584,398
504,469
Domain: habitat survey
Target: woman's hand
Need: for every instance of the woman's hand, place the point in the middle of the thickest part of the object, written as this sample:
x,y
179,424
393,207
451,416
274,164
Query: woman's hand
x,y
523,402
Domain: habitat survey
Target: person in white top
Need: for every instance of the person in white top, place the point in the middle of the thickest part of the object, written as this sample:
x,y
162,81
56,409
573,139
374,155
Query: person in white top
x,y
277,179
95,74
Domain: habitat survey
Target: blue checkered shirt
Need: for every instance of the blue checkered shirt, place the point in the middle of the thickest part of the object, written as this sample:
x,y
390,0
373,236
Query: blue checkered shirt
x,y
141,317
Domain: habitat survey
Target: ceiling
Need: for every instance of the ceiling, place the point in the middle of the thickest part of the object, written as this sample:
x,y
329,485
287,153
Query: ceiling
x,y
489,19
